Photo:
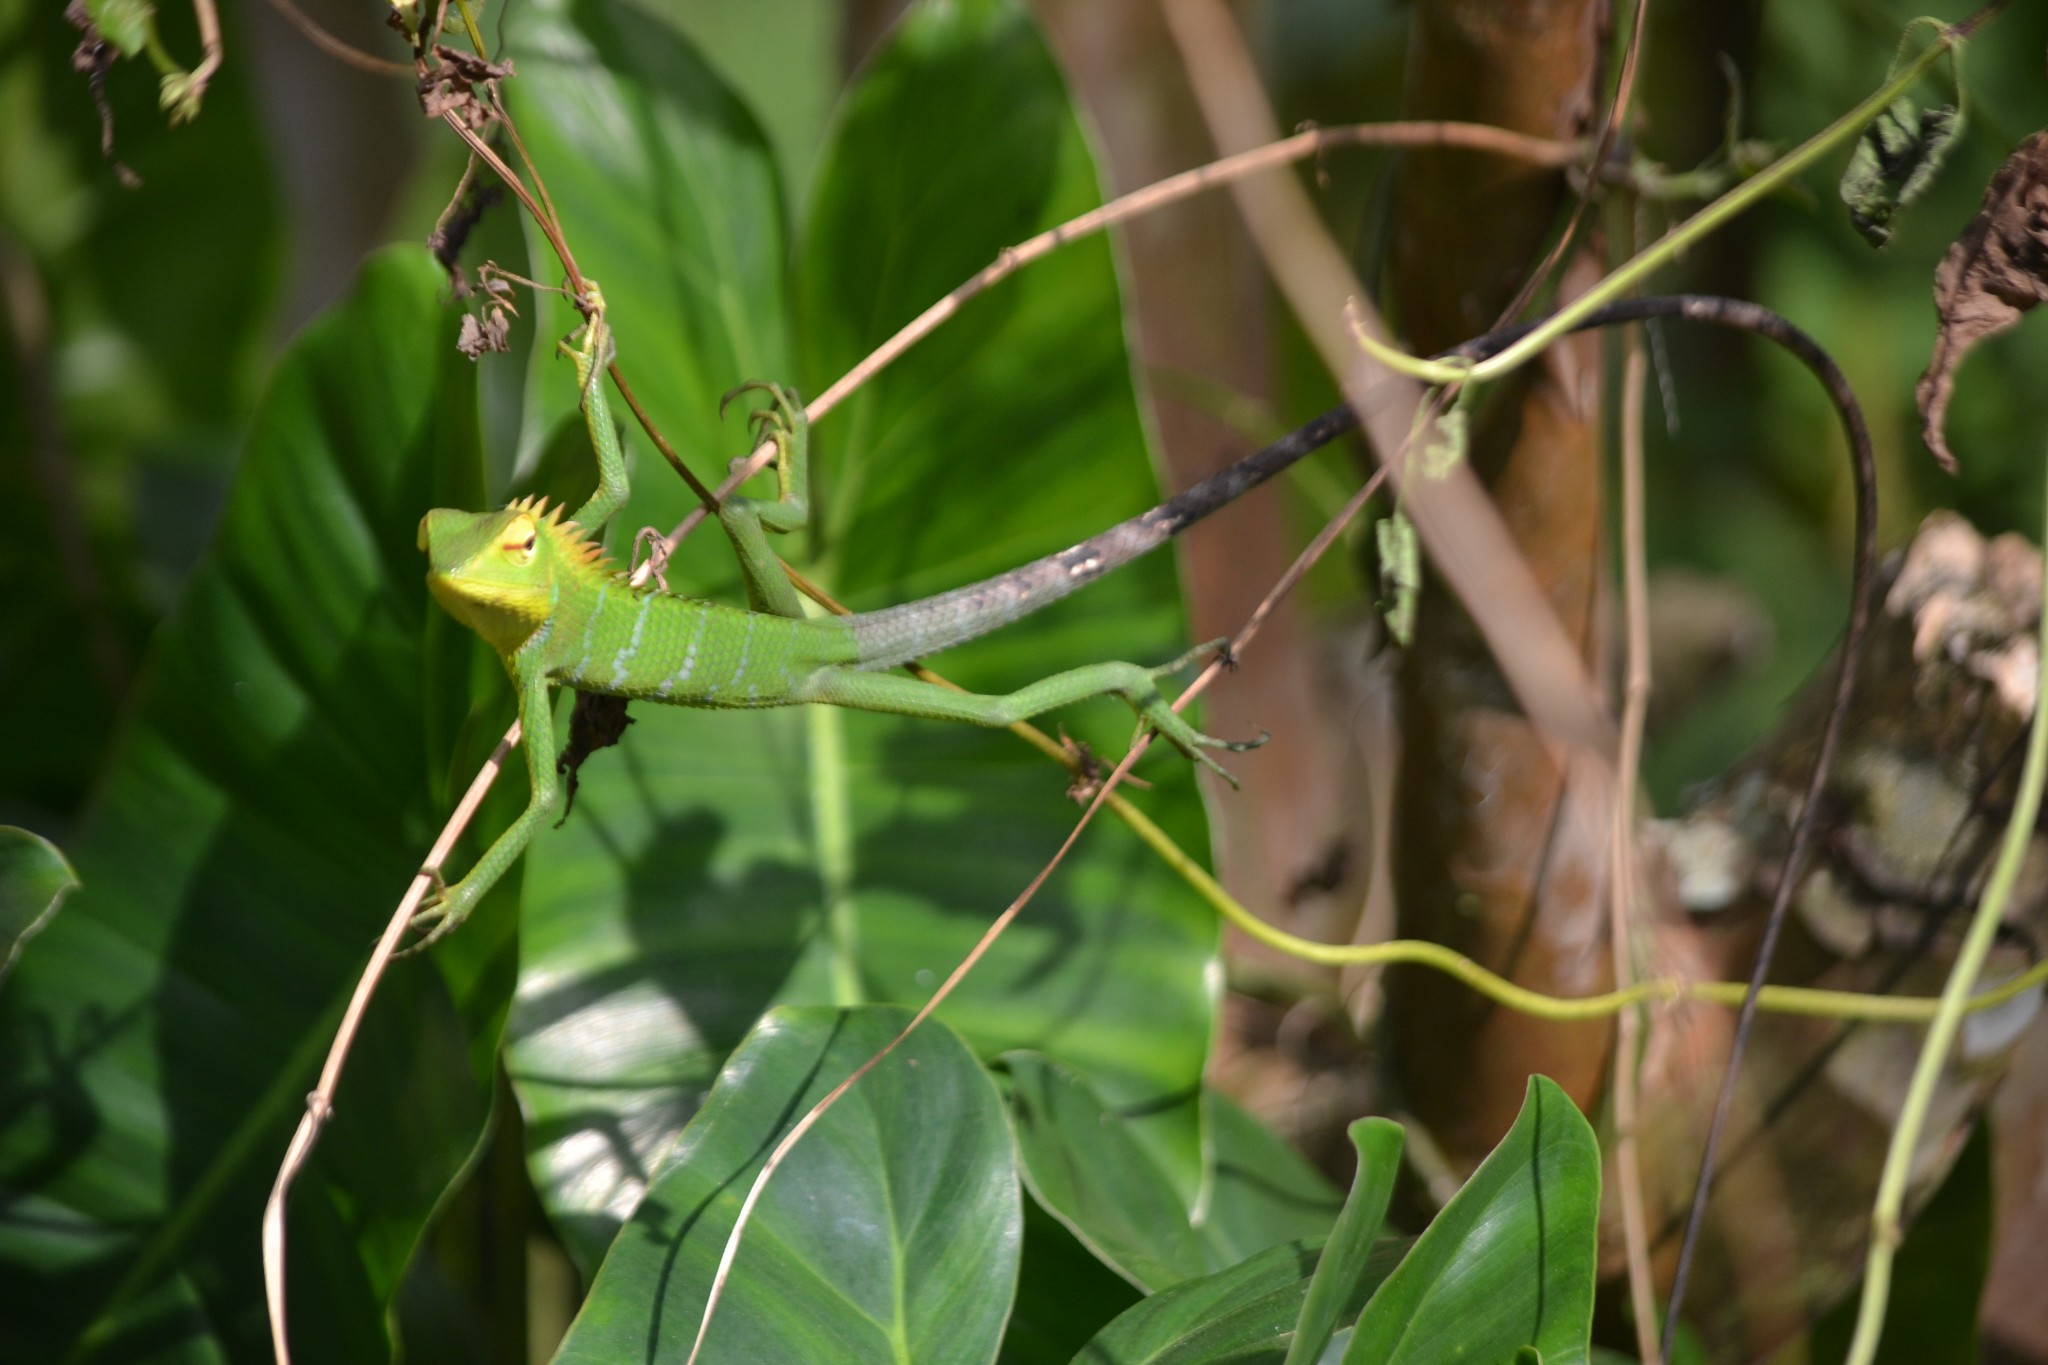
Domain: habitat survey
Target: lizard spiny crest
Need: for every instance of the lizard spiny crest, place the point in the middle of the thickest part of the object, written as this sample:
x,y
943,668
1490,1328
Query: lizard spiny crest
x,y
572,540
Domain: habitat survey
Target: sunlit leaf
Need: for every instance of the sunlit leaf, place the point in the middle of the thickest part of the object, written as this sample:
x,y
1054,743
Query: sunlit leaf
x,y
1378,1143
1241,1316
1086,1164
890,1233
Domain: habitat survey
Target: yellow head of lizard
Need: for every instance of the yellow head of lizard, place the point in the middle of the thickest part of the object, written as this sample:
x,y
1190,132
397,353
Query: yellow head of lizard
x,y
495,571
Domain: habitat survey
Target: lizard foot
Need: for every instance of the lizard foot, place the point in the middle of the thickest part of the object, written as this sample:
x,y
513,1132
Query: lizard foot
x,y
777,422
440,914
1192,742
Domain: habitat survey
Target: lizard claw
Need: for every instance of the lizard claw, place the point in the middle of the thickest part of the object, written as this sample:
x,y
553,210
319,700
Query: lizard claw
x,y
441,913
775,422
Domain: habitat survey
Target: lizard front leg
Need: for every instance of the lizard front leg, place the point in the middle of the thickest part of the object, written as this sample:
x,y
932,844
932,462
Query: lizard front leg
x,y
746,520
614,481
453,904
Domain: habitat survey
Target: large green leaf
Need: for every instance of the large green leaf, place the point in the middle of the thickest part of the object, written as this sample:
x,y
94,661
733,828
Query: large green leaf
x,y
1378,1143
34,879
1509,1262
890,1233
1241,1316
1085,1164
284,770
720,863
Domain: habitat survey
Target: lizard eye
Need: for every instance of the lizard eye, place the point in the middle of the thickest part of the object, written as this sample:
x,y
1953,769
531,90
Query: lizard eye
x,y
520,538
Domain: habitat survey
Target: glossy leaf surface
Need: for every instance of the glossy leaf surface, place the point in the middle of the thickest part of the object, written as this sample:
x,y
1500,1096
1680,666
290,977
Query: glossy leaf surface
x,y
1241,1316
1378,1143
889,1233
1087,1166
1509,1261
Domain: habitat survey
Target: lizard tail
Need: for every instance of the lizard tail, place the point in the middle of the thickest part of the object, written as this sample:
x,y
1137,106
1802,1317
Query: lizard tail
x,y
896,635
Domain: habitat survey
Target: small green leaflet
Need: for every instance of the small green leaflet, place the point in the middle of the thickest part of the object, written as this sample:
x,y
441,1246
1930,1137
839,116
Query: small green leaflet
x,y
1450,433
124,23
34,879
1895,161
1400,574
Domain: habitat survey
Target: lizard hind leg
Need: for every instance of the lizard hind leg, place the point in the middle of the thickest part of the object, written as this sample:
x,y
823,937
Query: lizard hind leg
x,y
1219,650
1172,727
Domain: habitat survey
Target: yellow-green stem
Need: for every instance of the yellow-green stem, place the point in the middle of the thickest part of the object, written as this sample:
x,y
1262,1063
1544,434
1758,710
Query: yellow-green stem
x,y
1672,244
476,37
1800,1000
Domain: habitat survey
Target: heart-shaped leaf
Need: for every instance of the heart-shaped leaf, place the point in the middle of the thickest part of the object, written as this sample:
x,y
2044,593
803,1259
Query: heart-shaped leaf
x,y
1088,1167
1241,1316
890,1232
1509,1262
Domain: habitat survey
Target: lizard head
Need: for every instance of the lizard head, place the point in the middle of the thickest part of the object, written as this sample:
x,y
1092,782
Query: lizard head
x,y
495,571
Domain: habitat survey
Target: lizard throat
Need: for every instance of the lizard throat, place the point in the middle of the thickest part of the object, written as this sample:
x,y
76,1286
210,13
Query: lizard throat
x,y
505,616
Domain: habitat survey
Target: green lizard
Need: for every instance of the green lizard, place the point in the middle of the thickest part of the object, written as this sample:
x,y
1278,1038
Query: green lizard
x,y
537,588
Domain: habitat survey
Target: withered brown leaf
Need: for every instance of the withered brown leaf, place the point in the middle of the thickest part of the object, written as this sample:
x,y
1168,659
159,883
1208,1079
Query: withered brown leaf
x,y
1995,271
482,335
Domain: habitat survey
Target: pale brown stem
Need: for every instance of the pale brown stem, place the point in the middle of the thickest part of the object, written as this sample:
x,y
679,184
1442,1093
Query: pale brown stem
x,y
1622,880
334,47
209,46
320,1103
1227,171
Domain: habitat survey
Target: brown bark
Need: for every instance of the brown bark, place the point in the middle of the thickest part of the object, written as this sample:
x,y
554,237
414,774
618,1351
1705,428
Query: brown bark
x,y
1502,850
